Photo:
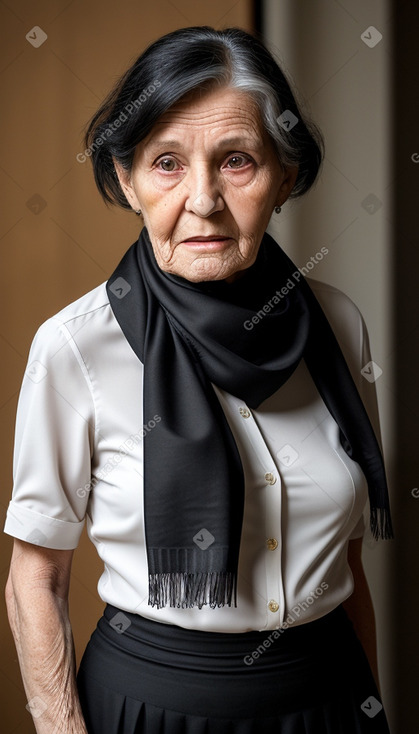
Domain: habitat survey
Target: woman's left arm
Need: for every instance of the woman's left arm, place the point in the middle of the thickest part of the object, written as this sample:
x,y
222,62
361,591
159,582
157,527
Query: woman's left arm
x,y
359,607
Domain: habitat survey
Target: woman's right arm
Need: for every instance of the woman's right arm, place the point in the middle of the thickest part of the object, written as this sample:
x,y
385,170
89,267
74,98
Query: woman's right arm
x,y
37,606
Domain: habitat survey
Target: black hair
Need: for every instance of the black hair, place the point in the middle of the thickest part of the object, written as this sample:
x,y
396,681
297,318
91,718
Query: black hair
x,y
186,60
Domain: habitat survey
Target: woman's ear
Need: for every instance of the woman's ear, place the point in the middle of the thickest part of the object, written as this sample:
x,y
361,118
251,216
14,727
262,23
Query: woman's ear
x,y
124,178
287,185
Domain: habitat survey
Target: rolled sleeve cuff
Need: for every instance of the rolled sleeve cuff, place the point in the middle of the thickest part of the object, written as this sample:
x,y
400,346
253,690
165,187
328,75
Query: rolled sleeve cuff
x,y
33,527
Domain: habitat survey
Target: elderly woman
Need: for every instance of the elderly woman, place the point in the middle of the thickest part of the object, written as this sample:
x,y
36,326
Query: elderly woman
x,y
206,412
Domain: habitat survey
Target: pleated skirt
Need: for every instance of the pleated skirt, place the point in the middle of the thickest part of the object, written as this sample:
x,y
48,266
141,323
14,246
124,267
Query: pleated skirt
x,y
138,676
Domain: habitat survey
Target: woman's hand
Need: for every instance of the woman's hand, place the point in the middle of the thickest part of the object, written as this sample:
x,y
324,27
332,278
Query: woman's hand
x,y
37,605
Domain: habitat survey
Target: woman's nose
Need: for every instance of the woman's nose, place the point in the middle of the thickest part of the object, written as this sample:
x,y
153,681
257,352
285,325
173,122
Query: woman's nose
x,y
204,195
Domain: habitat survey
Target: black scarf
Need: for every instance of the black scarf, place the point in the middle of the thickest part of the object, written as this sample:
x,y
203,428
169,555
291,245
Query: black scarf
x,y
189,335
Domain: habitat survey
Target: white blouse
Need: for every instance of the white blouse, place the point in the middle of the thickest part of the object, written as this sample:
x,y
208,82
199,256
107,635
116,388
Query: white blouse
x,y
78,455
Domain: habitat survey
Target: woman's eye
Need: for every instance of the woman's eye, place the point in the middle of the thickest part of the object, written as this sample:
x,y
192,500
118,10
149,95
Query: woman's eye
x,y
167,164
237,161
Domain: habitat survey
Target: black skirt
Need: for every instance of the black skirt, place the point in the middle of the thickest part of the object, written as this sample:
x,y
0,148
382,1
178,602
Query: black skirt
x,y
138,676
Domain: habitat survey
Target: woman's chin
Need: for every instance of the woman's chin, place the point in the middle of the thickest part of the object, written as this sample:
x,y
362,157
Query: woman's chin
x,y
207,268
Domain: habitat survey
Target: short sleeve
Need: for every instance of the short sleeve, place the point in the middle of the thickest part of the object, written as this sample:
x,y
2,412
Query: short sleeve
x,y
53,443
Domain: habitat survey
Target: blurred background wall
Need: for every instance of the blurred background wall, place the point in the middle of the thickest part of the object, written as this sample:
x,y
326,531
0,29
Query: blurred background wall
x,y
354,64
343,73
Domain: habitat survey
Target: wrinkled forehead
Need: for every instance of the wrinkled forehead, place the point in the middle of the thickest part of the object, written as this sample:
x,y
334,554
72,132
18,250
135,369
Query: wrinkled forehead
x,y
221,112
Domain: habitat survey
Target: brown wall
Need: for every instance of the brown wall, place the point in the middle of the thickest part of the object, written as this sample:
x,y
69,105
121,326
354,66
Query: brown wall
x,y
58,240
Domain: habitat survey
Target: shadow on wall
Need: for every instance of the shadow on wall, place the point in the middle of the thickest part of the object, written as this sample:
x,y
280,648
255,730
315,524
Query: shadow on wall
x,y
405,588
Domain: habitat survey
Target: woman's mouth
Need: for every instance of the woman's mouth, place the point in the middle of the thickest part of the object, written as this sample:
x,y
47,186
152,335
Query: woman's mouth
x,y
212,243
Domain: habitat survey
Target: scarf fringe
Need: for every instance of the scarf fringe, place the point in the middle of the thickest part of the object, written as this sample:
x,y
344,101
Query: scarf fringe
x,y
187,590
380,523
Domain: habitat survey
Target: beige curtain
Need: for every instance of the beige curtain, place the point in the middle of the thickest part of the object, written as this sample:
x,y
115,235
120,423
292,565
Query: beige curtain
x,y
340,55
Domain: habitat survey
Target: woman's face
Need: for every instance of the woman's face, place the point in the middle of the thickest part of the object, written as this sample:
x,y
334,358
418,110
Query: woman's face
x,y
207,179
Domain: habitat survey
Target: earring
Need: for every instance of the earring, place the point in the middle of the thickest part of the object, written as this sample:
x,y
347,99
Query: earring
x,y
138,212
277,210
